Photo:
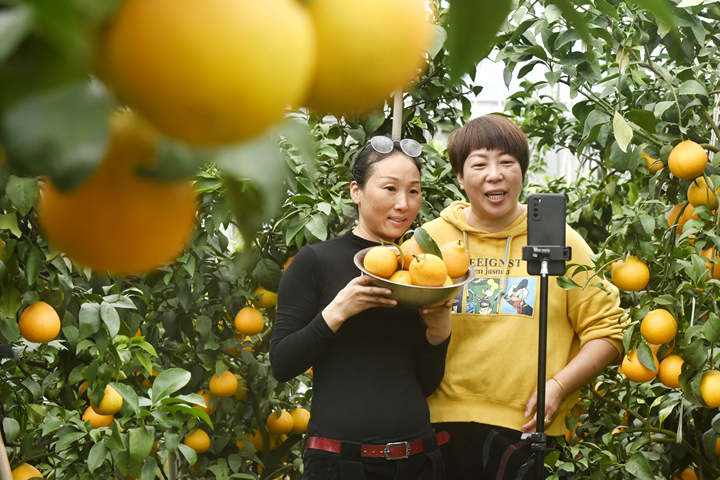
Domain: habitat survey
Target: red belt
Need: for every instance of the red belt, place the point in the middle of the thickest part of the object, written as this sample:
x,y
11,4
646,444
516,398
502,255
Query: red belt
x,y
389,451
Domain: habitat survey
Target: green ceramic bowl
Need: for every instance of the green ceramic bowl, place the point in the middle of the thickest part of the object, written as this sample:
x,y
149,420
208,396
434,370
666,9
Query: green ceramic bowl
x,y
412,295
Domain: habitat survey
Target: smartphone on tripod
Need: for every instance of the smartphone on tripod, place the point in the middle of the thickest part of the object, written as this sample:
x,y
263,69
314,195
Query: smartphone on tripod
x,y
546,228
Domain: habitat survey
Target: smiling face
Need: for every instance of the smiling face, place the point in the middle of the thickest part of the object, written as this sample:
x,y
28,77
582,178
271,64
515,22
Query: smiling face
x,y
493,181
390,199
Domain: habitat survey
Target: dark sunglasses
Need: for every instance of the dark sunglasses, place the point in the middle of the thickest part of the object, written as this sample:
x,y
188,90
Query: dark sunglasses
x,y
409,147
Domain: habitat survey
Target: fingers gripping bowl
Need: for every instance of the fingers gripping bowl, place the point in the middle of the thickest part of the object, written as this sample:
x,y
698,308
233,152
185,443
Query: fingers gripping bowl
x,y
415,296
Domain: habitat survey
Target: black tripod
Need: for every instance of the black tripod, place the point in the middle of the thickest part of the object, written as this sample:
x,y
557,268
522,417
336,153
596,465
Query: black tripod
x,y
540,258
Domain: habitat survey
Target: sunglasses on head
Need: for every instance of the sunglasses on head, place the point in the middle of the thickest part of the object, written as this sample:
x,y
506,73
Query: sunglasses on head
x,y
409,147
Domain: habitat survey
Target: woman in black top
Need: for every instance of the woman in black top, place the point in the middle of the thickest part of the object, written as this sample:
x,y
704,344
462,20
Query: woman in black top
x,y
373,363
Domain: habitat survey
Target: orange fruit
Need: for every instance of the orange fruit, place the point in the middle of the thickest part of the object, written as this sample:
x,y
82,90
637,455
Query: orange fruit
x,y
710,388
390,35
209,407
279,423
701,194
240,445
82,388
265,298
300,417
97,420
687,474
198,440
111,402
456,258
210,72
249,321
675,218
256,439
670,370
409,249
428,270
630,274
225,385
401,276
39,323
118,221
687,160
634,370
717,447
25,471
448,281
713,263
658,326
380,261
652,164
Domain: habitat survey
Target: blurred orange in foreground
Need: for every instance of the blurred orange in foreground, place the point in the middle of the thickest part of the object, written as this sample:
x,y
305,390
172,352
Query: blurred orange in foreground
x,y
118,221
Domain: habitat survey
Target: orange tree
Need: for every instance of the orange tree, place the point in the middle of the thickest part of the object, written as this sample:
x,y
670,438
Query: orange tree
x,y
638,94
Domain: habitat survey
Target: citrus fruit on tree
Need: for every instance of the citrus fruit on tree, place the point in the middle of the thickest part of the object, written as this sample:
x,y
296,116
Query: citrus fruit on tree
x,y
279,423
25,471
380,261
198,440
209,406
210,72
456,258
713,263
428,270
658,326
256,439
670,370
265,298
701,193
97,420
300,417
39,323
710,388
687,474
111,402
652,164
82,388
634,370
225,385
409,249
118,221
687,160
630,274
249,321
675,217
365,50
401,276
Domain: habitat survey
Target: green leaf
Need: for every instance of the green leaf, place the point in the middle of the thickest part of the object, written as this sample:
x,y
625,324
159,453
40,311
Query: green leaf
x,y
267,273
141,441
317,226
574,18
661,9
110,317
41,138
426,243
648,223
711,329
8,221
188,453
639,467
15,24
622,130
692,87
97,456
472,32
89,319
130,398
32,264
22,193
149,469
11,428
646,356
167,382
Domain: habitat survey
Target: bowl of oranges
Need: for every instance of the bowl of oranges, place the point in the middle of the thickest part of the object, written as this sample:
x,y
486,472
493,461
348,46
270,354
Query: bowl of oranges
x,y
417,279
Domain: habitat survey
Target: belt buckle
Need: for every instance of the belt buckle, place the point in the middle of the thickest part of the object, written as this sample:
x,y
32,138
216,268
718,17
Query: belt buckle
x,y
388,446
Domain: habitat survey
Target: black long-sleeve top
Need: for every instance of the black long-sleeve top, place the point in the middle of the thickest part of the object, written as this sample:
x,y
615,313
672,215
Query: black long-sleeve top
x,y
371,377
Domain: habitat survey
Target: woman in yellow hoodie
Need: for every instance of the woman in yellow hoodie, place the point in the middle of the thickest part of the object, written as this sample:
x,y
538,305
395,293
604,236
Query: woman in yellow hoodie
x,y
488,395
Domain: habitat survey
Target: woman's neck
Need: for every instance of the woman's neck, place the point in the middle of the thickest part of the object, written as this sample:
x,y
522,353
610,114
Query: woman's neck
x,y
492,226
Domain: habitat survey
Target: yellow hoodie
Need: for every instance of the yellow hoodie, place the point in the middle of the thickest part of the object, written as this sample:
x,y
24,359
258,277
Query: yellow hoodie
x,y
491,366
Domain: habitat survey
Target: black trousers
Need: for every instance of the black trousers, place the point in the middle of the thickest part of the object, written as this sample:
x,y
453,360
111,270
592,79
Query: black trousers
x,y
485,452
320,465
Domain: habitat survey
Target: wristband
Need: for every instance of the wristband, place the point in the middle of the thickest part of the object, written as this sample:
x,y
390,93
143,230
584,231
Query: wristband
x,y
560,384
